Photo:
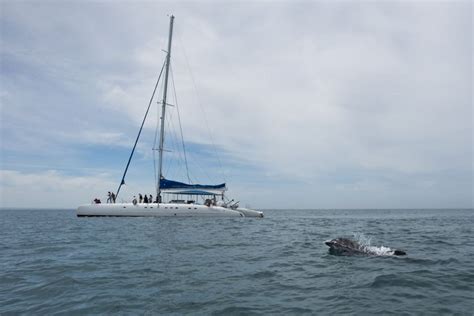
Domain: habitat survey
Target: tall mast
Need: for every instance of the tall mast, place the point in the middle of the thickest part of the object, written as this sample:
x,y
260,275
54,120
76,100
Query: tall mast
x,y
163,109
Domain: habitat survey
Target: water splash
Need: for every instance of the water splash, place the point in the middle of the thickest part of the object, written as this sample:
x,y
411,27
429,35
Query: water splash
x,y
380,251
362,239
365,244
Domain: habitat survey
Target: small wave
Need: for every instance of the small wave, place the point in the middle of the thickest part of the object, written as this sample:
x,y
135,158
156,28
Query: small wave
x,y
421,261
415,279
447,261
236,310
263,274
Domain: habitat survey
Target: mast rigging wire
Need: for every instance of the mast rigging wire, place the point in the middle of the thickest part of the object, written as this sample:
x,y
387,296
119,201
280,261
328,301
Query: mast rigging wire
x,y
200,105
140,131
180,126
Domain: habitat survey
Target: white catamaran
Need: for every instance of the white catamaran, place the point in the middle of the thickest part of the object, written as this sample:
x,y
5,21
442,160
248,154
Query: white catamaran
x,y
215,204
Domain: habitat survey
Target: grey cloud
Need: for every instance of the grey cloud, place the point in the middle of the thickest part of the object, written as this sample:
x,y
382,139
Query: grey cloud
x,y
303,89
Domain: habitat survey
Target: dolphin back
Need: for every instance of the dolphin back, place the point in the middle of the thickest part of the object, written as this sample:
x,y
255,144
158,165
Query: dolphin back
x,y
348,247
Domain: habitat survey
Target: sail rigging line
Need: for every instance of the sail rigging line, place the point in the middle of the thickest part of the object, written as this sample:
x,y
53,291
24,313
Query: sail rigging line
x,y
173,141
140,131
214,147
180,126
180,161
172,144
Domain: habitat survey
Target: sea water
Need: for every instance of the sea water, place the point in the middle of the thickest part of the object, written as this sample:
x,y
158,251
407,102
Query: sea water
x,y
54,263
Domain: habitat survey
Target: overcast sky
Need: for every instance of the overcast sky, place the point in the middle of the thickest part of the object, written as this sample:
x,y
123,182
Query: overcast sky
x,y
310,104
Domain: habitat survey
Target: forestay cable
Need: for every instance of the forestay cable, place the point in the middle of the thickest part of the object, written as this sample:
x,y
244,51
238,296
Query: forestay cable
x,y
140,131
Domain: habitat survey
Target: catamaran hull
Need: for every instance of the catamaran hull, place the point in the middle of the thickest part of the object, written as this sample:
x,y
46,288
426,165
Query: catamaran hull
x,y
157,210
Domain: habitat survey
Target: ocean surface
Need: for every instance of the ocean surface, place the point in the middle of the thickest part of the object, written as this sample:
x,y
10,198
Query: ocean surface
x,y
54,263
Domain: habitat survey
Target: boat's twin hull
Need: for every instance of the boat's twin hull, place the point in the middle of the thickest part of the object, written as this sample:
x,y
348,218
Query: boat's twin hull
x,y
162,209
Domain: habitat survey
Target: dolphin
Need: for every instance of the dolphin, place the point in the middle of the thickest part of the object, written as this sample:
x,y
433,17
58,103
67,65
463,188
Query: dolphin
x,y
348,247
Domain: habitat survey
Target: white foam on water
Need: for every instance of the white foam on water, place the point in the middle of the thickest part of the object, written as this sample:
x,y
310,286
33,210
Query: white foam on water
x,y
365,241
379,251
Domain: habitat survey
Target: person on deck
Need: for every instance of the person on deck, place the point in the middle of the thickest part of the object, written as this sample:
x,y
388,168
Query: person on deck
x,y
109,197
140,198
113,197
145,199
150,199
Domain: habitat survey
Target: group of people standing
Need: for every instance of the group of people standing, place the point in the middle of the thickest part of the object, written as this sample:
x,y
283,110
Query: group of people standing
x,y
143,199
111,197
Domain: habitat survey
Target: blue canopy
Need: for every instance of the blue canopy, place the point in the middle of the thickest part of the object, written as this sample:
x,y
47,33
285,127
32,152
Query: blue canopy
x,y
192,192
170,184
